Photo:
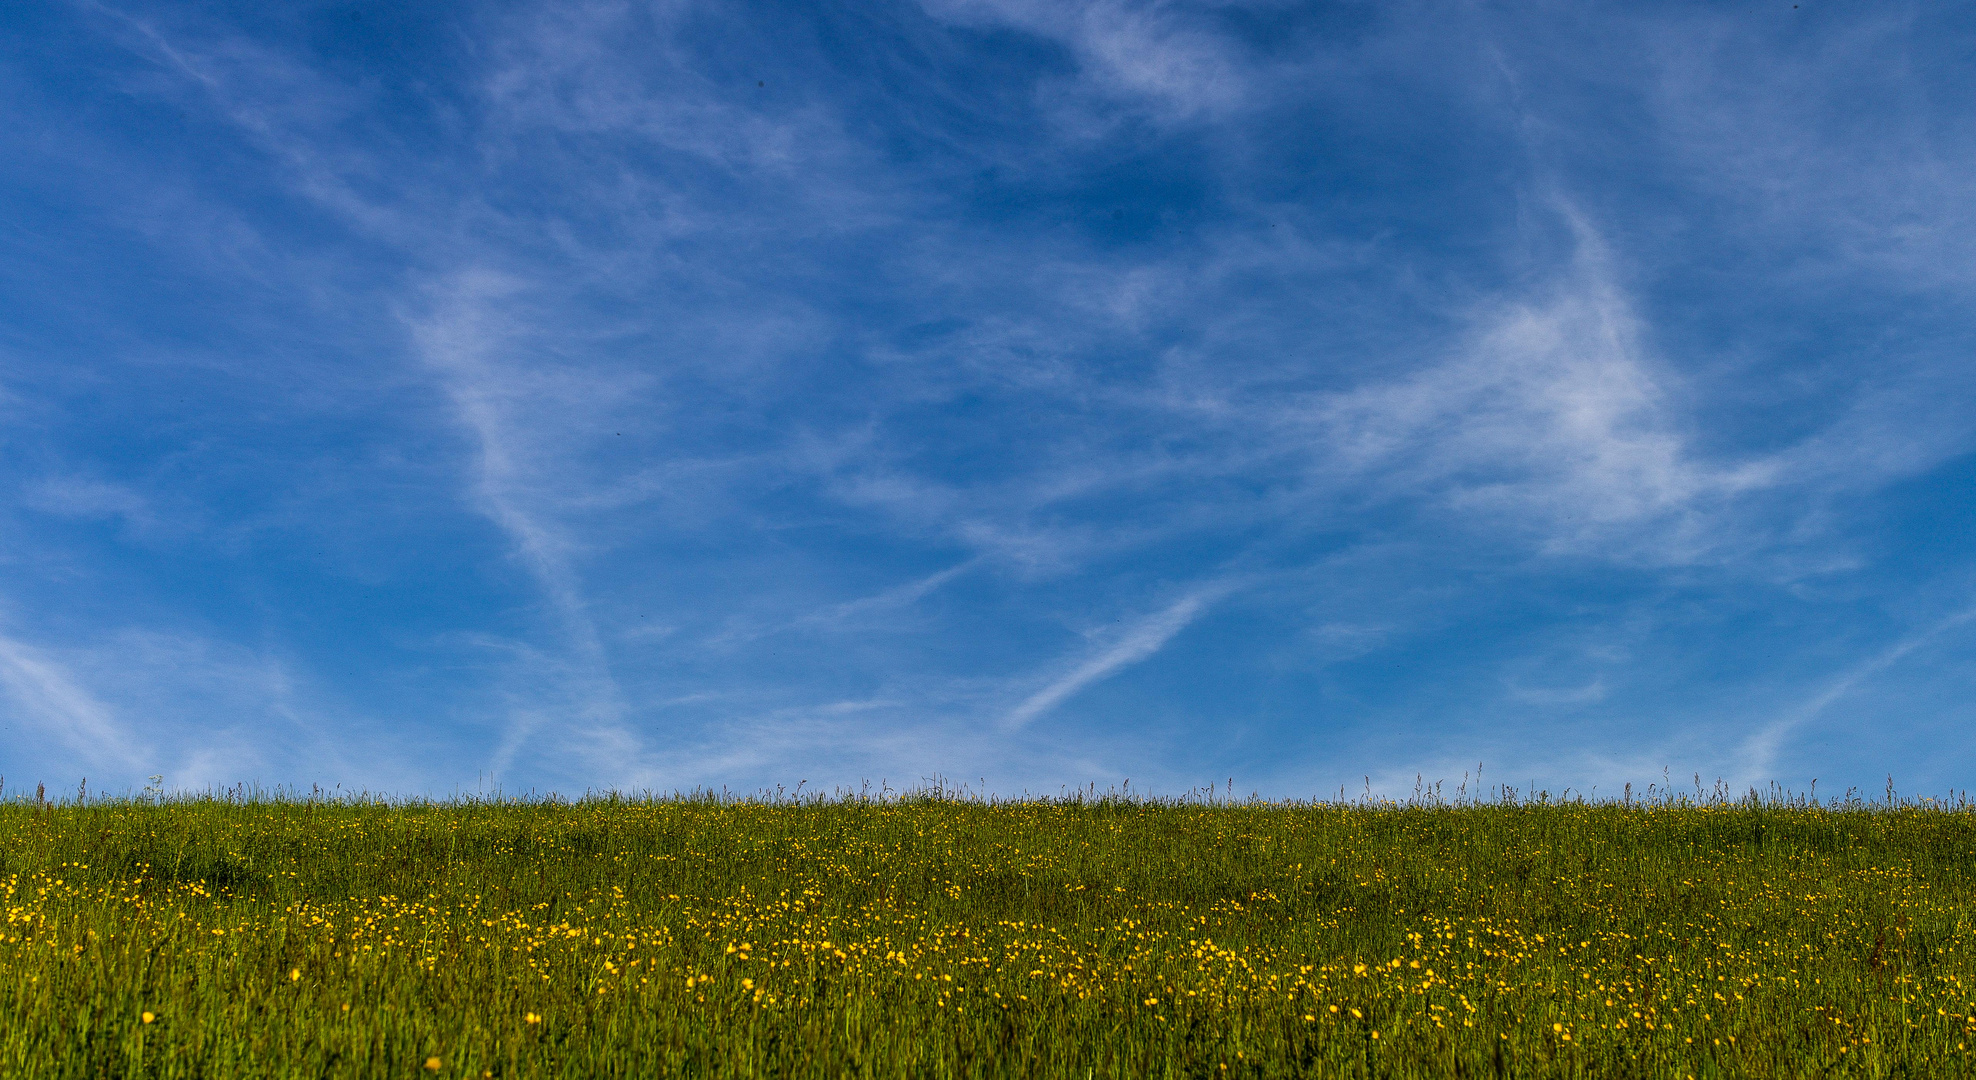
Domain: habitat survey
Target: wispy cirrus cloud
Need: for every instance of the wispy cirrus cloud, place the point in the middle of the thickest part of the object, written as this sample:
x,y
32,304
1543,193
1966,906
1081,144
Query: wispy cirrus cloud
x,y
48,698
1140,641
1157,54
87,497
1555,418
1756,760
499,398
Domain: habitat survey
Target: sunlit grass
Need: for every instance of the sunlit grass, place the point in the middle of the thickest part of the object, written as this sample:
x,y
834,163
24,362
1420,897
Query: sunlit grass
x,y
948,937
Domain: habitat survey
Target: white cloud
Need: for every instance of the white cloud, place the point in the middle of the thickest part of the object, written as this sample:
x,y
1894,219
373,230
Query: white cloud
x,y
1554,421
850,615
1827,143
516,409
83,497
48,697
1589,693
1756,760
1141,640
1141,53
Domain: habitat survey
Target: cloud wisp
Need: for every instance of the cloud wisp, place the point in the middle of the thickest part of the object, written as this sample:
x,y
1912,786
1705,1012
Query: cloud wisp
x,y
460,340
1757,758
49,698
1138,643
1554,421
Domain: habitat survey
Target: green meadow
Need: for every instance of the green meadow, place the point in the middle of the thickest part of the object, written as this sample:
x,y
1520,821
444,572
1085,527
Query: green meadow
x,y
935,936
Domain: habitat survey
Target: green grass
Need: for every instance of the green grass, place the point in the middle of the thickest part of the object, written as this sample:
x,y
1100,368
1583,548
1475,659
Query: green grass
x,y
944,937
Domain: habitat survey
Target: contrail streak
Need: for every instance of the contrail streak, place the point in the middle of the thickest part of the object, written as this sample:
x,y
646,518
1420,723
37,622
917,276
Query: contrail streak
x,y
1760,750
1143,641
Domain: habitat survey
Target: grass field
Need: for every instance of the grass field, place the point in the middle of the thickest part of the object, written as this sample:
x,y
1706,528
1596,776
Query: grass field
x,y
937,937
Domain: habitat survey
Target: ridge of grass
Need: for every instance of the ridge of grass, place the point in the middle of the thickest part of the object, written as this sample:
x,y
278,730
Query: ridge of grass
x,y
936,936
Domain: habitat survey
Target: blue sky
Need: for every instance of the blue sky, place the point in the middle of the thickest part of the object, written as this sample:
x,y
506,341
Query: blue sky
x,y
580,395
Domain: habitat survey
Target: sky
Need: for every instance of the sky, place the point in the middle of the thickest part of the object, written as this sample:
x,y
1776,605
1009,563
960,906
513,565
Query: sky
x,y
1300,398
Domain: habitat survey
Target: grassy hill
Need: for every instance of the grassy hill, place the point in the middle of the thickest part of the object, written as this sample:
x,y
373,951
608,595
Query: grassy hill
x,y
946,937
